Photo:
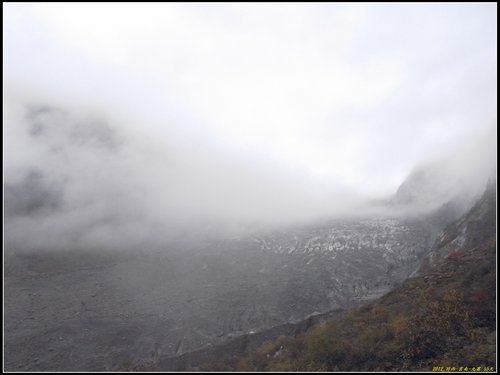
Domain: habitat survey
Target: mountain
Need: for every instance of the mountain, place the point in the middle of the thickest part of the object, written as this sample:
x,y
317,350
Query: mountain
x,y
454,176
442,319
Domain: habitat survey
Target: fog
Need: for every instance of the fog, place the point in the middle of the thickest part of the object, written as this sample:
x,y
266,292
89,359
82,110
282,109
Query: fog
x,y
79,177
184,182
126,126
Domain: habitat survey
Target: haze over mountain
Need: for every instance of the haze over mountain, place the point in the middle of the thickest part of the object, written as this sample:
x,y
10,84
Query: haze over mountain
x,y
180,177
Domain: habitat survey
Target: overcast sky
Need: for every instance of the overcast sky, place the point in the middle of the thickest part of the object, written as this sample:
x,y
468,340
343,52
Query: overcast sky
x,y
350,96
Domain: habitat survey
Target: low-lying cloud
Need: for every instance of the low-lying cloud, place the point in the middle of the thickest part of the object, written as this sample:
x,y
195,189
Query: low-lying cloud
x,y
73,178
126,125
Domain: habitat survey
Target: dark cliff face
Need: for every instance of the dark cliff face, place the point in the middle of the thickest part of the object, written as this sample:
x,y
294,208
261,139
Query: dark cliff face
x,y
443,200
419,187
31,196
58,141
464,235
442,190
476,226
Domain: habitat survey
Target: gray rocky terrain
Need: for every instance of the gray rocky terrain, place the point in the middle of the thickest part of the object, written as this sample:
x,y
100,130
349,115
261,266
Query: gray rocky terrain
x,y
101,311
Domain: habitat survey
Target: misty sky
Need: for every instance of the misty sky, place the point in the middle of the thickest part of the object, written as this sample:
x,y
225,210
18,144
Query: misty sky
x,y
306,99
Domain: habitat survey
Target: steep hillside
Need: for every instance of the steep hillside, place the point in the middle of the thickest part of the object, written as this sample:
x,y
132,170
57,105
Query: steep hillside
x,y
444,318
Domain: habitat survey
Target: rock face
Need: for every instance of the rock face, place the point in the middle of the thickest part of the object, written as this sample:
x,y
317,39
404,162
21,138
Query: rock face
x,y
465,234
455,176
420,187
358,257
